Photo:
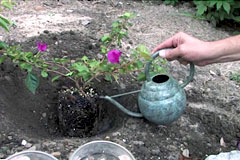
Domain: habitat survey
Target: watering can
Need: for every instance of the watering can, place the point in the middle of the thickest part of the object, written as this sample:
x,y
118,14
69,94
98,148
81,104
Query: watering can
x,y
161,99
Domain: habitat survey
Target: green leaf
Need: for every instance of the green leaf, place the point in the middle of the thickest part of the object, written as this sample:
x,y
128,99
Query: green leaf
x,y
26,66
8,3
84,58
103,49
32,82
212,3
4,23
80,67
122,70
127,15
226,7
115,24
221,15
2,59
5,20
141,77
69,74
159,69
108,77
123,33
143,51
130,67
28,55
94,64
3,45
237,18
55,78
219,4
105,38
116,30
201,9
61,60
140,64
44,74
115,76
85,76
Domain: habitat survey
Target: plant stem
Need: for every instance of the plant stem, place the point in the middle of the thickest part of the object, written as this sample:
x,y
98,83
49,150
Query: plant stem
x,y
93,77
81,89
59,65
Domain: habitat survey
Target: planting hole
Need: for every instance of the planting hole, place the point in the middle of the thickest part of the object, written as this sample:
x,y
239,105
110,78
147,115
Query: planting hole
x,y
51,112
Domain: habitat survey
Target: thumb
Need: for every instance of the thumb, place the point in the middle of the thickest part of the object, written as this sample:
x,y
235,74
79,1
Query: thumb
x,y
170,54
162,53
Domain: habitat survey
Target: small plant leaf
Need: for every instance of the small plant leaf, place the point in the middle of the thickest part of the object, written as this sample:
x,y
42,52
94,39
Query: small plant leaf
x,y
105,38
69,74
115,24
141,77
44,74
103,49
143,51
5,20
201,9
3,23
219,4
80,67
26,66
123,33
226,7
84,58
212,3
127,15
108,77
94,64
55,78
32,82
61,60
3,45
85,76
2,59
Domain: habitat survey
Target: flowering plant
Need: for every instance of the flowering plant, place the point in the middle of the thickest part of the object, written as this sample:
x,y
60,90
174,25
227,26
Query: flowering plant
x,y
84,70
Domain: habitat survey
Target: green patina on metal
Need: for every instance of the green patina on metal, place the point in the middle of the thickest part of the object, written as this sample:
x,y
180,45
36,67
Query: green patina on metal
x,y
161,100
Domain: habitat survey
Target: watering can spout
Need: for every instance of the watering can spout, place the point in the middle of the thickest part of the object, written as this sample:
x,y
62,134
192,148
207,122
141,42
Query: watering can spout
x,y
119,106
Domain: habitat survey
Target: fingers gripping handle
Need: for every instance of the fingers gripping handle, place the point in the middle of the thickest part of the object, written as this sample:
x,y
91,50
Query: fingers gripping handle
x,y
155,55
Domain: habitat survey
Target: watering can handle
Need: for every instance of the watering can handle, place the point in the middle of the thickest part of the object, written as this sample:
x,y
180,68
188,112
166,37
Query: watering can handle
x,y
155,55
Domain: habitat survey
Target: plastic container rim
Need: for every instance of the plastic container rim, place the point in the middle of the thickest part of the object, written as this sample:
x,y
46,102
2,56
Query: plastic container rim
x,y
101,141
40,152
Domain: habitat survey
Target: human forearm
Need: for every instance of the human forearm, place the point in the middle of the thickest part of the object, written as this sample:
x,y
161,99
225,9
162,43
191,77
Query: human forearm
x,y
190,49
225,50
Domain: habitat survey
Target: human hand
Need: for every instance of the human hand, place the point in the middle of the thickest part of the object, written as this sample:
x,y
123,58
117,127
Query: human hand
x,y
186,49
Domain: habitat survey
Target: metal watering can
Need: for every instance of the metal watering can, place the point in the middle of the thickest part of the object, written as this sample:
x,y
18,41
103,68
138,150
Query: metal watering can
x,y
161,100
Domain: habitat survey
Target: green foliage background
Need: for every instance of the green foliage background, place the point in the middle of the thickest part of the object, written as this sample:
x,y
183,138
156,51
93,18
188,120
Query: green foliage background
x,y
4,22
214,11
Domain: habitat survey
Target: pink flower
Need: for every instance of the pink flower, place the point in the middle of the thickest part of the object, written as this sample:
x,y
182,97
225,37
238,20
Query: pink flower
x,y
113,56
41,47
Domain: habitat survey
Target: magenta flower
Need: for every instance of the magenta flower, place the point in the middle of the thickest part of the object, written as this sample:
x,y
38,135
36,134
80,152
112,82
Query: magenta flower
x,y
41,47
113,56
